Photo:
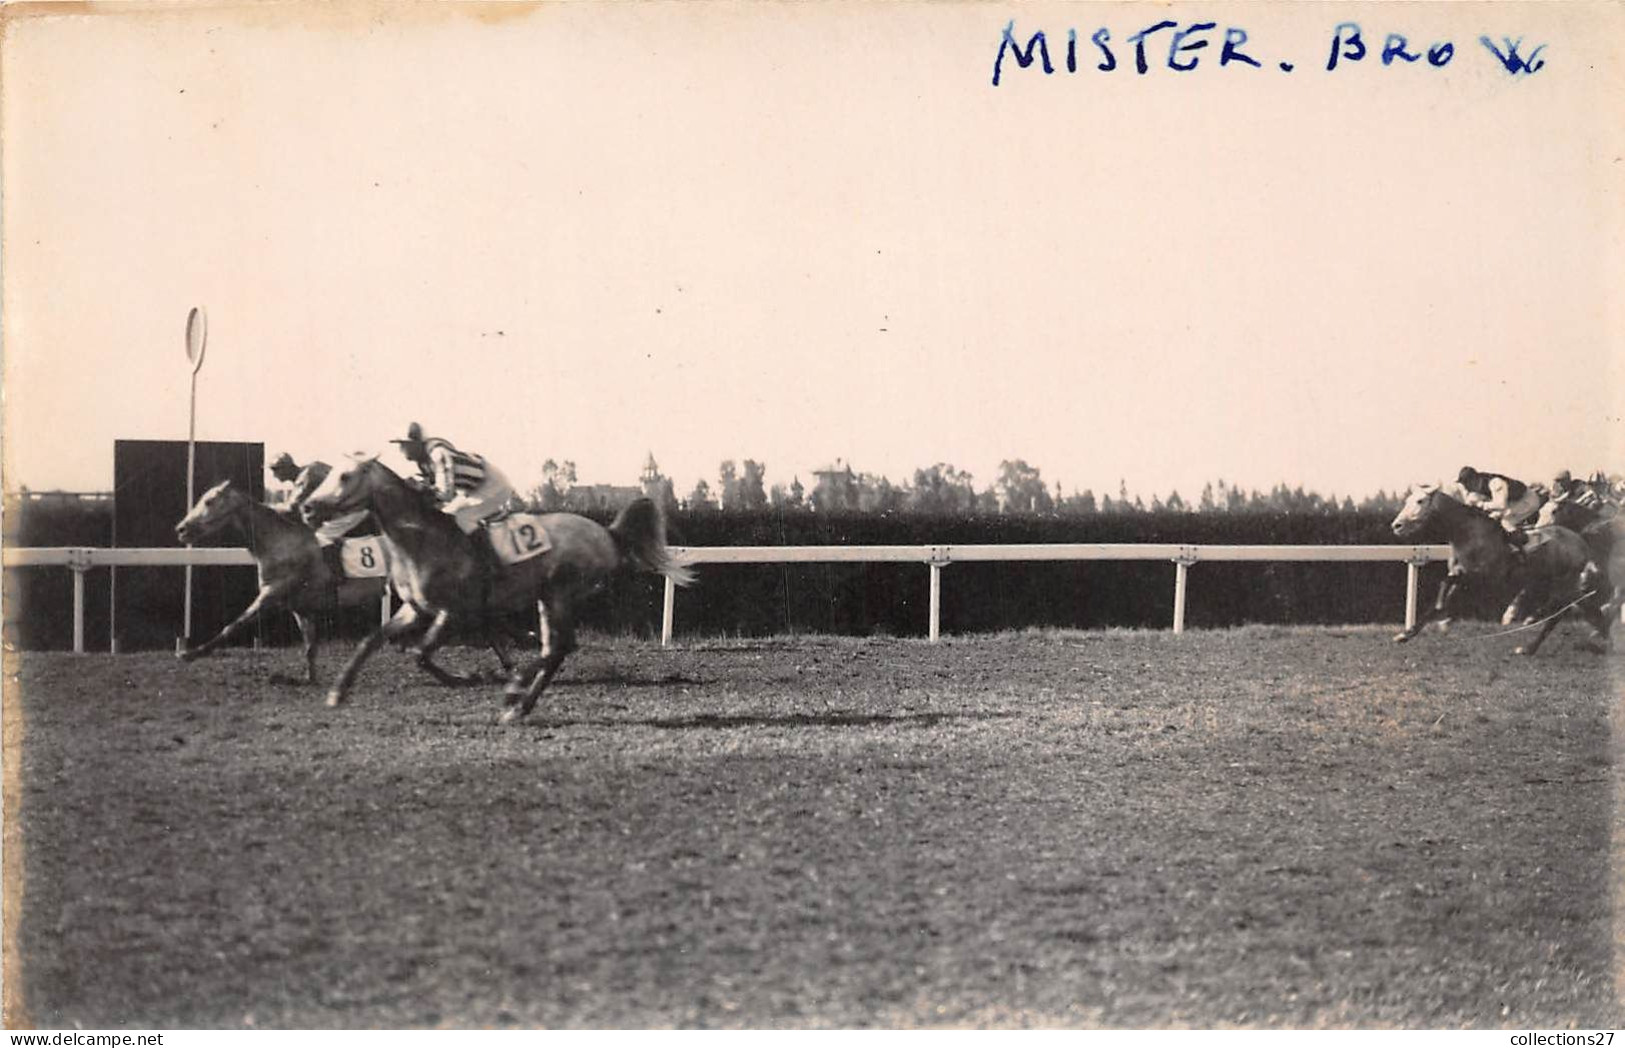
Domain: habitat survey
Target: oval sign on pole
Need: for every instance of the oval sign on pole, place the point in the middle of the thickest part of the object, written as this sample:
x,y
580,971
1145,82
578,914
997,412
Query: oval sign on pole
x,y
197,336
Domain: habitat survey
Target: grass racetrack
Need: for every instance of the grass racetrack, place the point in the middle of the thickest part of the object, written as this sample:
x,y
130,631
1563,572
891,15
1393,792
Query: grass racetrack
x,y
1257,827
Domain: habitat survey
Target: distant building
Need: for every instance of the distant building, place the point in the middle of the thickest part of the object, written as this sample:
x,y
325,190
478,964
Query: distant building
x,y
615,496
650,478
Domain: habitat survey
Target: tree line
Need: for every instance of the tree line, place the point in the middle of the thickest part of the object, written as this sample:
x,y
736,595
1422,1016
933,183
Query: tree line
x,y
939,489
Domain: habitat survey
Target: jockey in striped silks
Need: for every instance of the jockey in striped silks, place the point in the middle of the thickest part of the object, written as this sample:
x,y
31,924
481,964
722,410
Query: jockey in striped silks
x,y
469,487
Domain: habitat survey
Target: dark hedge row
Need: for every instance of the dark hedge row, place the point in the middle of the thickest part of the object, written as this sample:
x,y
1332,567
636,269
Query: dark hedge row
x,y
845,599
894,598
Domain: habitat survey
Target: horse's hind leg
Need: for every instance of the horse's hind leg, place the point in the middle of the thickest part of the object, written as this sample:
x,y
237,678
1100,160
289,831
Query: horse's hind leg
x,y
404,620
558,640
1534,645
308,633
1597,616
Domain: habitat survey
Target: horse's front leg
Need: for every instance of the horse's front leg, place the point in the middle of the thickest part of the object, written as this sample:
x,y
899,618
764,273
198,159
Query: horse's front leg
x,y
267,595
1597,615
495,636
1439,611
430,643
404,621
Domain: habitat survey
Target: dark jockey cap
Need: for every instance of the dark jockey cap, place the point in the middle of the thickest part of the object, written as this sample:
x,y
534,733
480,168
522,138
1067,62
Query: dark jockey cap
x,y
413,438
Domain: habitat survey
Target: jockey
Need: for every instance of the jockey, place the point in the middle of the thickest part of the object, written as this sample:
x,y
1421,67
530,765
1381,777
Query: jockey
x,y
1581,493
469,488
305,480
1512,502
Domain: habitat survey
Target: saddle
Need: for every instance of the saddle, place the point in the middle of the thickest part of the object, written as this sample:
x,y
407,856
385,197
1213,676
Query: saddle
x,y
512,536
356,557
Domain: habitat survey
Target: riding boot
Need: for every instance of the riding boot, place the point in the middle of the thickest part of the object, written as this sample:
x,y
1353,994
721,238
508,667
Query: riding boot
x,y
333,557
485,542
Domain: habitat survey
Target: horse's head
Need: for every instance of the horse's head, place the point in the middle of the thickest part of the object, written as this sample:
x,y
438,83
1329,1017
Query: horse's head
x,y
211,513
345,490
1565,512
1418,508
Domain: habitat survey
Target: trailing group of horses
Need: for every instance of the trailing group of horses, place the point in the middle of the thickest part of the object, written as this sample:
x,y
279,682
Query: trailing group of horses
x,y
1572,562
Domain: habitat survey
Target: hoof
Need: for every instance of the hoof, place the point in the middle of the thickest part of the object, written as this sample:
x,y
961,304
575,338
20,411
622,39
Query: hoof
x,y
1521,650
1400,638
335,698
189,655
509,715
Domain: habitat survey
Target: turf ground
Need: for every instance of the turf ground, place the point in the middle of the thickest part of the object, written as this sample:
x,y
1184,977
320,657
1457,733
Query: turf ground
x,y
1256,828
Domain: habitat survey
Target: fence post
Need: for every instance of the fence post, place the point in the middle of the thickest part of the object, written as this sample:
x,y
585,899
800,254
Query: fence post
x,y
939,560
935,630
668,607
79,563
78,610
1413,572
1182,566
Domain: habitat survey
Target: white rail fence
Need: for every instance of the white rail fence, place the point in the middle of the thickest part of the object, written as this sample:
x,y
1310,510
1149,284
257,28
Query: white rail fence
x,y
939,557
81,560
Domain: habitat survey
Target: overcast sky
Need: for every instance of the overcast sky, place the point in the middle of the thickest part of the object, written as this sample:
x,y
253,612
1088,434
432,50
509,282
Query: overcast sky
x,y
801,232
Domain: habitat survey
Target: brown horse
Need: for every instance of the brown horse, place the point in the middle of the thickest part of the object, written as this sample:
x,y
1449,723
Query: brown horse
x,y
445,577
1602,527
293,574
1542,580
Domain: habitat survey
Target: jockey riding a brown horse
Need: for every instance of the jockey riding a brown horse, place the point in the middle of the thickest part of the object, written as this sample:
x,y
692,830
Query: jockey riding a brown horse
x,y
294,574
442,578
1544,578
1599,522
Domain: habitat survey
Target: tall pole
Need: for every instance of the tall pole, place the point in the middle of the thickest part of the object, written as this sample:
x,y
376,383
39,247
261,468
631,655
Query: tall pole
x,y
197,334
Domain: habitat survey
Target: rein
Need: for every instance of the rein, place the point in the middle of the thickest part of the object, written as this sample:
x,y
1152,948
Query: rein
x,y
1541,621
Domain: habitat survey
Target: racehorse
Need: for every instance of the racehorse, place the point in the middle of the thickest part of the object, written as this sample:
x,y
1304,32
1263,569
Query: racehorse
x,y
1543,580
1605,535
445,577
293,574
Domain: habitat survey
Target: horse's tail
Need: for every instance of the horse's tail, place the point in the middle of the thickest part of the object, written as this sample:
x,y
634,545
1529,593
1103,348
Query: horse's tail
x,y
639,532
